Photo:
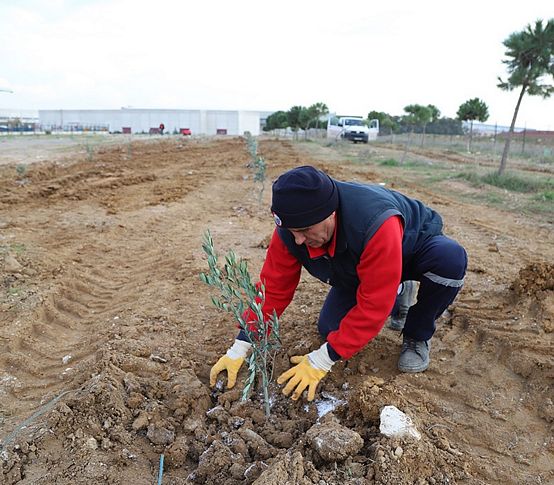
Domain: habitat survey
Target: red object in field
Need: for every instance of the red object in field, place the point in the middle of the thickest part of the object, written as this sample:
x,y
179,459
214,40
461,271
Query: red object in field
x,y
126,130
186,131
221,131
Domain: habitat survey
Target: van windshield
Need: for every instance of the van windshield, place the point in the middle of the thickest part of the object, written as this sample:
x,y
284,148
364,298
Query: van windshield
x,y
350,122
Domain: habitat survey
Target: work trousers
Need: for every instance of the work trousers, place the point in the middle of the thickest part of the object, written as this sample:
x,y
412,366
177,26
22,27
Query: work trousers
x,y
439,266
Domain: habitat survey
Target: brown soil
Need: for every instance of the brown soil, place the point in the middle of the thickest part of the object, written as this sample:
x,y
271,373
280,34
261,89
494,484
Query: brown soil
x,y
107,336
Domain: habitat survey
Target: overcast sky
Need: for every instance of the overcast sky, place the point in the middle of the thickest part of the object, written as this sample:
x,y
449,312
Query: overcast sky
x,y
355,55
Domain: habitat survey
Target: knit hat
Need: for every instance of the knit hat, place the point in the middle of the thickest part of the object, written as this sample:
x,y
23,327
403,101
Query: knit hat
x,y
303,197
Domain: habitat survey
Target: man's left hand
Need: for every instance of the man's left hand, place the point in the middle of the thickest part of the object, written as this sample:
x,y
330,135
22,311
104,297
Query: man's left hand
x,y
301,376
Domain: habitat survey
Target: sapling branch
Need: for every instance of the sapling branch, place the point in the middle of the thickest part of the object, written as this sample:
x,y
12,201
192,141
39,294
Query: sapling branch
x,y
239,296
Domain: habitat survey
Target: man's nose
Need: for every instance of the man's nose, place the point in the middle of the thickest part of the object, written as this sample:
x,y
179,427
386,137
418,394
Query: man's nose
x,y
299,239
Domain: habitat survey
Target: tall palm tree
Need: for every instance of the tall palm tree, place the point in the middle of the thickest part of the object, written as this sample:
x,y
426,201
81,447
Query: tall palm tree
x,y
530,62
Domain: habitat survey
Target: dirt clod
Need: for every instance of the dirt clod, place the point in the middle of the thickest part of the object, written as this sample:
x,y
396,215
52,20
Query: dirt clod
x,y
334,442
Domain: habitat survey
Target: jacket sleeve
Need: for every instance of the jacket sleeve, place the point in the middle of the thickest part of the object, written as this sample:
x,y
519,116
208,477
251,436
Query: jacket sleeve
x,y
379,271
280,275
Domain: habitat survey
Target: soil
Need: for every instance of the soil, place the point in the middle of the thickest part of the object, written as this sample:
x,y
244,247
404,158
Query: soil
x,y
107,335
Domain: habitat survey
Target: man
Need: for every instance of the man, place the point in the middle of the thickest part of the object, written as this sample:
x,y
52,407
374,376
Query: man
x,y
363,240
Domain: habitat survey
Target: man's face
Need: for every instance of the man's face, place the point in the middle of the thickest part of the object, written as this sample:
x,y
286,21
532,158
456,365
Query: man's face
x,y
317,235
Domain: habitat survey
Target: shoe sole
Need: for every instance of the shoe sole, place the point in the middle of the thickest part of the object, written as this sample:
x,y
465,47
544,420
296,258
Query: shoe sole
x,y
413,370
394,326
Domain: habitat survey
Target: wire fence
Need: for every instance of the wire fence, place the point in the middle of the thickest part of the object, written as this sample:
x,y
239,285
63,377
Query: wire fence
x,y
535,146
37,128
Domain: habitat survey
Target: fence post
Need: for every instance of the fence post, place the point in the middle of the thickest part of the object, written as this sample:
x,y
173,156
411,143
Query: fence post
x,y
495,131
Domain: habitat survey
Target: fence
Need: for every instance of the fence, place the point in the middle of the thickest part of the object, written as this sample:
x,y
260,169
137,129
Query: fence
x,y
30,126
536,146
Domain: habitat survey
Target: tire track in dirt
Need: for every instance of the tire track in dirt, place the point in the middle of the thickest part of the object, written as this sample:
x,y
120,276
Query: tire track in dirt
x,y
97,282
64,333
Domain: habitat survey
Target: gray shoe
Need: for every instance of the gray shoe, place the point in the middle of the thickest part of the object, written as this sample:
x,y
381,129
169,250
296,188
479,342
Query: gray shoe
x,y
414,356
404,301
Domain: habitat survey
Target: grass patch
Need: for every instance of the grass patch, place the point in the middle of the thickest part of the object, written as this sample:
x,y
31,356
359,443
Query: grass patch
x,y
511,182
546,196
17,248
389,162
516,183
471,177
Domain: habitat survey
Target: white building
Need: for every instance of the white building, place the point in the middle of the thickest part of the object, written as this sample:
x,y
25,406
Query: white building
x,y
131,120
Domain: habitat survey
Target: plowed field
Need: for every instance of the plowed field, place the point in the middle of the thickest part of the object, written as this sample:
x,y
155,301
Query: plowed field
x,y
107,334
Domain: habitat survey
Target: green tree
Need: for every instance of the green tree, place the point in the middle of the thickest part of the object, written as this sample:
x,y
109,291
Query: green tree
x,y
386,121
295,117
530,64
418,115
307,119
318,110
277,120
473,109
435,112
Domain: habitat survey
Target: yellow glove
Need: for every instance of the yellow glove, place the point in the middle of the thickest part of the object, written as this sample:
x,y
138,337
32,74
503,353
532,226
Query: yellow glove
x,y
302,376
231,362
232,366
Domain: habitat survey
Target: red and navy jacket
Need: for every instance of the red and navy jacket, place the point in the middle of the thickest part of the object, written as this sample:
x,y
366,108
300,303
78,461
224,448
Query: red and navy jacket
x,y
376,231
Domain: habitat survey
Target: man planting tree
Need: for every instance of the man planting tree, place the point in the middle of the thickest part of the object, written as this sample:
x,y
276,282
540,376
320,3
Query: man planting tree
x,y
364,241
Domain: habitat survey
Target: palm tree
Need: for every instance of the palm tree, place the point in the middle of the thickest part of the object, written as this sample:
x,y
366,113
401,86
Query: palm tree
x,y
530,61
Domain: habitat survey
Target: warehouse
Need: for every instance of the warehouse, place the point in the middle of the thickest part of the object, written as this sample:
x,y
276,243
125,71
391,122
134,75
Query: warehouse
x,y
131,120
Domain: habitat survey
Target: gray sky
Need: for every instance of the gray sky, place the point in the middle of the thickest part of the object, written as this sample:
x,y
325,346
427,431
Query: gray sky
x,y
355,56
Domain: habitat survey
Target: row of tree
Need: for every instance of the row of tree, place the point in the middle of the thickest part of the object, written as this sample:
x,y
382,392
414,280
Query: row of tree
x,y
298,117
530,65
427,119
417,118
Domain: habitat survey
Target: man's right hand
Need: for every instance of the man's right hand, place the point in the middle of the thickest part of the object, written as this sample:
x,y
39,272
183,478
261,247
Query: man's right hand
x,y
231,362
232,367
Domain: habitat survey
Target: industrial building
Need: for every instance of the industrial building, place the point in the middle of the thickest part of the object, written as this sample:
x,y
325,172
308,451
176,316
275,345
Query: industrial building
x,y
132,120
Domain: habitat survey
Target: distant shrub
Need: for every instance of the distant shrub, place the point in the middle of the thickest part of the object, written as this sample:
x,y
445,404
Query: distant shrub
x,y
390,162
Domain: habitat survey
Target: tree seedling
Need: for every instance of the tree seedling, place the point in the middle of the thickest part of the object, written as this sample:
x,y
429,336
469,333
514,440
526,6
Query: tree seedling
x,y
239,296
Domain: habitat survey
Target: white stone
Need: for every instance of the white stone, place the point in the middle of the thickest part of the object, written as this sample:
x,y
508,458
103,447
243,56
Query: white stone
x,y
396,424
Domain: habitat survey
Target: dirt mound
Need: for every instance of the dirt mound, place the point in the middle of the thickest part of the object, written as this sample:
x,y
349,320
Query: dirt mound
x,y
107,336
534,280
534,288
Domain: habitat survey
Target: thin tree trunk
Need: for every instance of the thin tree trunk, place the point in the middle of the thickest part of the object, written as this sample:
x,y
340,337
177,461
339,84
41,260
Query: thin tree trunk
x,y
406,147
470,137
509,139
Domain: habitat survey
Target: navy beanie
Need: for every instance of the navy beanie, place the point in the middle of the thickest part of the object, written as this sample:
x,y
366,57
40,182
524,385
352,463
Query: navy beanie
x,y
303,197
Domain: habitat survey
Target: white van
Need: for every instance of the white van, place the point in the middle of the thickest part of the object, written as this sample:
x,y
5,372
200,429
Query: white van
x,y
354,128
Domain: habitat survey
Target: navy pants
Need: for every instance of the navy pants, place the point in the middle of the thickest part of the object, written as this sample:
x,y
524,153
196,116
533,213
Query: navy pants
x,y
439,266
